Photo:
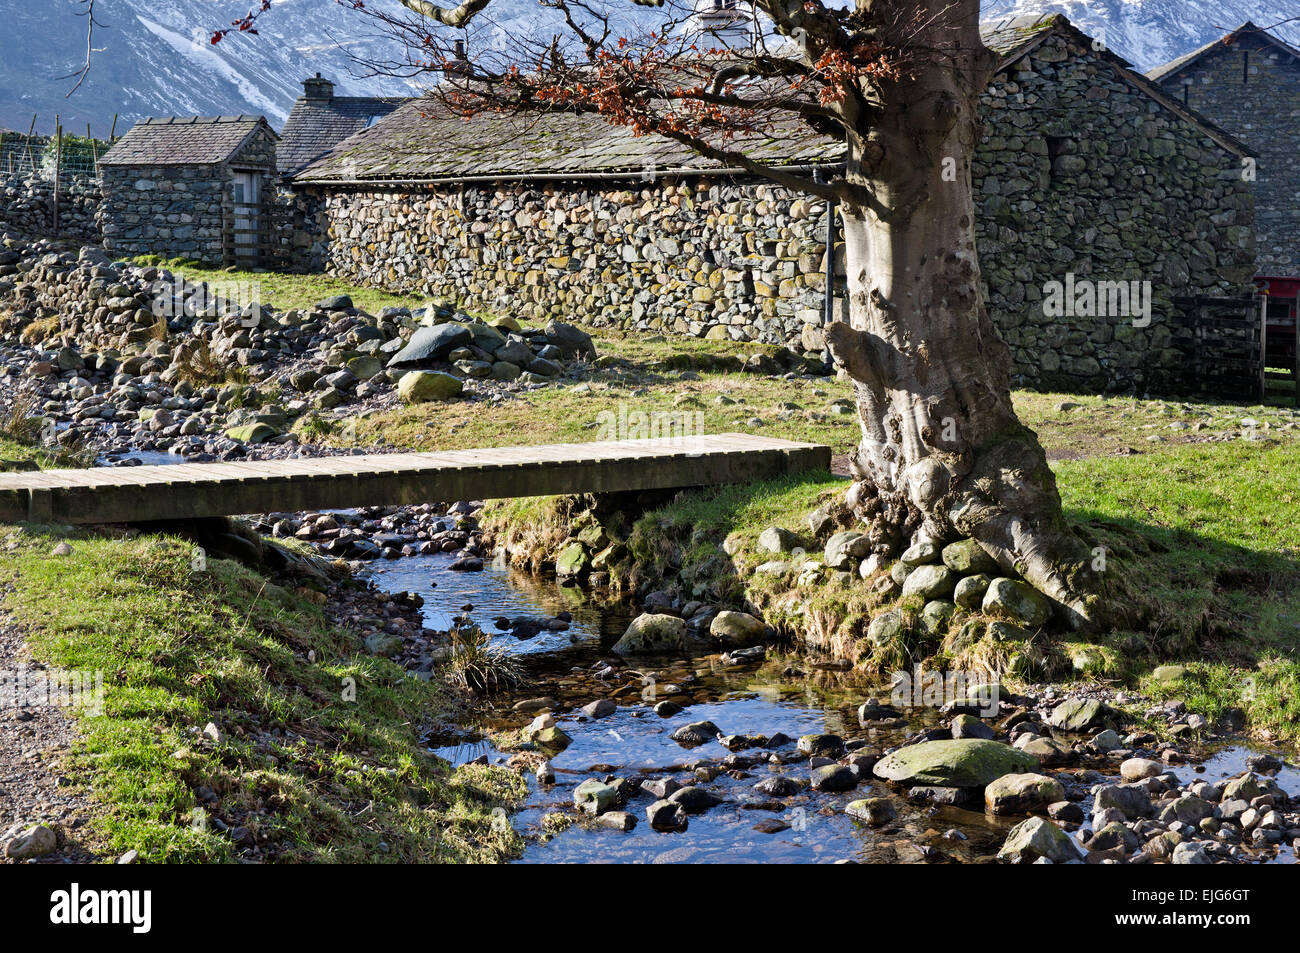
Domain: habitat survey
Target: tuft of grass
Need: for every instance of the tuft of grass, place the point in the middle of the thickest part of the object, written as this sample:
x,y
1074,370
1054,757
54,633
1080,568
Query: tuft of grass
x,y
317,754
479,666
200,367
21,420
41,329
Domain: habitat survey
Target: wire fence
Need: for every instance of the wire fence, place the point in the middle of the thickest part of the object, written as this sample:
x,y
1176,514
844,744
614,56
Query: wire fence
x,y
63,157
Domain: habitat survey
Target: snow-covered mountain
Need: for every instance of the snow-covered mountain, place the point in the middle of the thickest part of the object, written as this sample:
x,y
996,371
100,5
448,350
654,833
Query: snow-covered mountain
x,y
1151,32
153,56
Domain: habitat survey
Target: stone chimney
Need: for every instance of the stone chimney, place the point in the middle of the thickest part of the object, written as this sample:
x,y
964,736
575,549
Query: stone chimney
x,y
459,64
318,88
723,24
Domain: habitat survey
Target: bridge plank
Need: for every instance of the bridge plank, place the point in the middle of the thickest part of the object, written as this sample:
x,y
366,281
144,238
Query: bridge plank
x,y
153,492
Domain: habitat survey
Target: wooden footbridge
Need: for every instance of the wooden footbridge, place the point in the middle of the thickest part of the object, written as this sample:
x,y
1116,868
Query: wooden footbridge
x,y
188,490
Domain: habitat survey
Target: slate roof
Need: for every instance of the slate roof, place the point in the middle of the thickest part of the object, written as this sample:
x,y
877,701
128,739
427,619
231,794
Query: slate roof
x,y
315,126
191,140
421,142
1013,37
1177,65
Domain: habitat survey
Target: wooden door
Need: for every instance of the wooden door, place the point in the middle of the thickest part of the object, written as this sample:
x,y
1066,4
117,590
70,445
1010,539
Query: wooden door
x,y
247,218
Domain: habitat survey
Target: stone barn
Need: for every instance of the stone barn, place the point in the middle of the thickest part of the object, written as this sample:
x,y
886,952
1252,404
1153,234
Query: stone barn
x,y
1248,82
198,188
1087,174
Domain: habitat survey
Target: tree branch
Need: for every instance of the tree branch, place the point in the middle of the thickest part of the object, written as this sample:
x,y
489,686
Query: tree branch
x,y
454,17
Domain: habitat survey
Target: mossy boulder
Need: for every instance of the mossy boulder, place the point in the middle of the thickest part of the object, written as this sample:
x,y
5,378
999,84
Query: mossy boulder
x,y
365,367
252,433
1022,793
1017,602
774,539
874,811
486,336
594,536
593,796
1078,714
961,763
651,633
737,630
1038,838
383,643
921,554
930,582
422,386
886,628
936,616
844,549
969,592
900,571
967,557
572,561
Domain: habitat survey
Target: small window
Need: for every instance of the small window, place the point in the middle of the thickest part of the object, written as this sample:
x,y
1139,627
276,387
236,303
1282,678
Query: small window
x,y
1061,158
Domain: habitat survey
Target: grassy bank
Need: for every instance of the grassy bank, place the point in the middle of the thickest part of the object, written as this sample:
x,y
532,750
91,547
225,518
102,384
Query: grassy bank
x,y
286,291
1206,535
315,754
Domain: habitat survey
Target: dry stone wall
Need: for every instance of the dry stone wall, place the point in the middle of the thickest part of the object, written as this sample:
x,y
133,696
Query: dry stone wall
x,y
27,206
175,211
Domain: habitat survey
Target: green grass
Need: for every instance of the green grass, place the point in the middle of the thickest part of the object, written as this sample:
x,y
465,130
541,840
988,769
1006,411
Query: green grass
x,y
562,415
1240,494
284,291
312,772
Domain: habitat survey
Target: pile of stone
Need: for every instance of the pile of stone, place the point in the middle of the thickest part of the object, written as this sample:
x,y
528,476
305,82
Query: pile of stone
x,y
126,357
372,532
950,581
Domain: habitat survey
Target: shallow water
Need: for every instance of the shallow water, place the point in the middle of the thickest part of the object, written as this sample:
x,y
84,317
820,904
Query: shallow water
x,y
500,592
780,695
140,458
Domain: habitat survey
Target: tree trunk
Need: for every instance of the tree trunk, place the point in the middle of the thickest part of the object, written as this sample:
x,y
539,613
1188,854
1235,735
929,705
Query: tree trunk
x,y
943,454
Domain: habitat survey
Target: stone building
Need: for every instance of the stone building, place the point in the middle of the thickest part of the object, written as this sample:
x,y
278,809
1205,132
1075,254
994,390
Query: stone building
x,y
320,121
197,188
1087,171
1248,83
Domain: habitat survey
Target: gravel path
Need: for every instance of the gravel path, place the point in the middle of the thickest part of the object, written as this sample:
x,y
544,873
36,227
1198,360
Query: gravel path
x,y
33,740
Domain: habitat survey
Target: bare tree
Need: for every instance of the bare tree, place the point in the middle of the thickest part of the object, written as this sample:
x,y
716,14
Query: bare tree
x,y
898,82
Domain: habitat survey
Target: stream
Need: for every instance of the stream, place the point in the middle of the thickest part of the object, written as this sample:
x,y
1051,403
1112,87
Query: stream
x,y
787,695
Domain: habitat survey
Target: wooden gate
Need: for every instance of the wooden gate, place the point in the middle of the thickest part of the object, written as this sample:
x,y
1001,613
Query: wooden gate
x,y
1281,330
246,232
1241,348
